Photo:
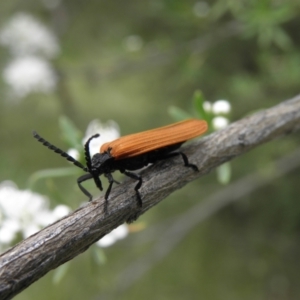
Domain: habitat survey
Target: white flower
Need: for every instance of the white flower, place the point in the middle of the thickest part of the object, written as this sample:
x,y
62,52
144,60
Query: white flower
x,y
8,230
221,107
60,211
24,35
219,122
108,132
25,212
119,233
74,153
29,74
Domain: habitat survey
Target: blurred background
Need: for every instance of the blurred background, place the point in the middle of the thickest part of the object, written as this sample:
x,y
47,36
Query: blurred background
x,y
134,65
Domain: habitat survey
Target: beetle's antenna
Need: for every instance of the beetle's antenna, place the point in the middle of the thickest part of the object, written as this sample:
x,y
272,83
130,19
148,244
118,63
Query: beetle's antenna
x,y
87,154
59,151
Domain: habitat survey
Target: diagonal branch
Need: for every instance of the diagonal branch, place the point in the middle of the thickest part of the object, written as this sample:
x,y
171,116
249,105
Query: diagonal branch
x,y
37,255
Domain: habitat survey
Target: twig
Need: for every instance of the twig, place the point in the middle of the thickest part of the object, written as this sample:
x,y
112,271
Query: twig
x,y
28,261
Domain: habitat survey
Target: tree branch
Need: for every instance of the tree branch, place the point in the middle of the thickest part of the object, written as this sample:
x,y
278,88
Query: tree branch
x,y
37,255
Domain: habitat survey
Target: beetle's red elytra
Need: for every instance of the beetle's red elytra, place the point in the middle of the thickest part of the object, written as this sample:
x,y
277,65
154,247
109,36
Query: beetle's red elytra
x,y
133,152
138,143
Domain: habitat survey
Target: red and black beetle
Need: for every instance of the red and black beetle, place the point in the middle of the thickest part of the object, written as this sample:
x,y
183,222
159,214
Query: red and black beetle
x,y
133,152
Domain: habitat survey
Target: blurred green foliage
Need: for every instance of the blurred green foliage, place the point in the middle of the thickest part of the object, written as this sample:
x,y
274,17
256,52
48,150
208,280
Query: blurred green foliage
x,y
130,61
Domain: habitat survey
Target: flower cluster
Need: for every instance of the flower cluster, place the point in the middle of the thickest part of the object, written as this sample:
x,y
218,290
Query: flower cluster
x,y
31,46
22,213
219,109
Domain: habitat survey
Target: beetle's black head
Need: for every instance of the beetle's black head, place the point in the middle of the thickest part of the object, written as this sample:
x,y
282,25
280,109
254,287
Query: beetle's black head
x,y
101,163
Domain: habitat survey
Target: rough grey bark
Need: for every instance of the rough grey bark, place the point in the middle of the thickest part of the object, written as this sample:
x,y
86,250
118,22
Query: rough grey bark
x,y
28,261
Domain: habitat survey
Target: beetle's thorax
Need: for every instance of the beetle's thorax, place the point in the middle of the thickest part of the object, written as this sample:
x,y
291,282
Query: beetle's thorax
x,y
101,163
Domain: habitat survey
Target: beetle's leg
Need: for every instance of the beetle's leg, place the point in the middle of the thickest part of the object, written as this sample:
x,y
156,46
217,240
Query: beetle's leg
x,y
186,162
137,187
80,180
185,159
98,182
111,181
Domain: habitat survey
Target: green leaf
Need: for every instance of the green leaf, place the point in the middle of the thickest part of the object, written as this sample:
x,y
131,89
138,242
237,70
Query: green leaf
x,y
198,101
51,173
178,114
70,133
